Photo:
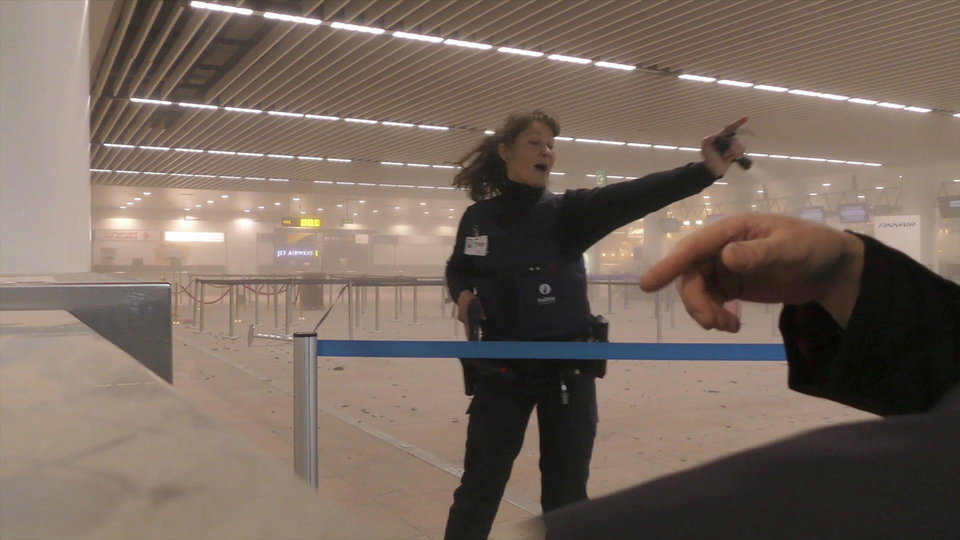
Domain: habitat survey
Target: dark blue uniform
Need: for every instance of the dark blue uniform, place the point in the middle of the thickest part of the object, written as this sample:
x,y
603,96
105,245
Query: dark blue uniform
x,y
522,254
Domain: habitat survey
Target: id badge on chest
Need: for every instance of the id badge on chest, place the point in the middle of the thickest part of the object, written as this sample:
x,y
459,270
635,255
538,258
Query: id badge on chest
x,y
475,245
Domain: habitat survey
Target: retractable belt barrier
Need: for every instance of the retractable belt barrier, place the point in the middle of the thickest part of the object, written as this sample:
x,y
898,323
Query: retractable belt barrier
x,y
306,349
551,350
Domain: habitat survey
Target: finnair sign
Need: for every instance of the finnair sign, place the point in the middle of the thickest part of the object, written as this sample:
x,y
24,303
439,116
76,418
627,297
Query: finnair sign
x,y
899,232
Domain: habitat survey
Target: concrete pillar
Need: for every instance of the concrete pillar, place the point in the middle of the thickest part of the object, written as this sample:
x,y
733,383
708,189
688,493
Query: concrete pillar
x,y
44,136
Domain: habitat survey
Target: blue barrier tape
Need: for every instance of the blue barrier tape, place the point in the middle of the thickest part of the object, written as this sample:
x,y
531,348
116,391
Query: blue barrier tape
x,y
551,350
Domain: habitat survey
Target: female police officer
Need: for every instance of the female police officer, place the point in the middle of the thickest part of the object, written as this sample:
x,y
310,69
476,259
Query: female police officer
x,y
519,249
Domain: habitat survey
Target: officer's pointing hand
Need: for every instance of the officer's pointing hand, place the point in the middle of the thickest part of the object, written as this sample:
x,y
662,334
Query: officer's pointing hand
x,y
715,161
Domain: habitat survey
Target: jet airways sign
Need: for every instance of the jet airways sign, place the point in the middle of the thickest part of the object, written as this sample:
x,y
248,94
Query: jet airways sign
x,y
900,232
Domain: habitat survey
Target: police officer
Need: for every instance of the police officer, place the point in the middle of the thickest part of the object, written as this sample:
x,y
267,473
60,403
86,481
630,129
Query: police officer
x,y
519,250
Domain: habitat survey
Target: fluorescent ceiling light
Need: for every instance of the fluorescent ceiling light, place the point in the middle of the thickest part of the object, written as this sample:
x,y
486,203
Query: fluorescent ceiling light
x,y
280,156
221,8
688,149
209,202
611,65
224,196
339,160
346,183
250,154
291,18
728,82
225,177
917,109
205,175
284,113
243,110
155,173
599,141
754,154
639,145
321,117
246,209
405,186
561,138
571,59
558,173
862,101
879,187
279,179
805,93
276,204
861,196
323,181
310,158
438,128
115,145
442,166
296,198
368,184
126,172
222,152
418,164
698,78
192,150
720,183
488,132
874,164
147,193
158,148
417,37
138,198
769,88
397,124
891,105
956,115
835,161
197,105
151,101
664,147
522,52
467,44
360,120
834,97
396,163
357,28
779,156
828,184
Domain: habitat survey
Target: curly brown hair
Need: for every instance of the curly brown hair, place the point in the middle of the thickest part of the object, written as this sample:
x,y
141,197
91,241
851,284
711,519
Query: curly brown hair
x,y
483,172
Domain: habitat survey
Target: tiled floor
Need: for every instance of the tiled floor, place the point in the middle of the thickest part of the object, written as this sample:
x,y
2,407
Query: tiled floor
x,y
655,417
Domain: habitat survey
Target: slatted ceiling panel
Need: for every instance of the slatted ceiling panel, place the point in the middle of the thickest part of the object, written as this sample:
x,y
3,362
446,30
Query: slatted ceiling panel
x,y
895,52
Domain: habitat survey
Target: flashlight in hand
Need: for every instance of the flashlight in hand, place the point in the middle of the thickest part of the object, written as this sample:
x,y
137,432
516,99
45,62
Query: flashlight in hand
x,y
722,144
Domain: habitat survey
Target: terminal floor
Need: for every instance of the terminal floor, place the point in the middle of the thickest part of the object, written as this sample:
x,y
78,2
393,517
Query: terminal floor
x,y
377,415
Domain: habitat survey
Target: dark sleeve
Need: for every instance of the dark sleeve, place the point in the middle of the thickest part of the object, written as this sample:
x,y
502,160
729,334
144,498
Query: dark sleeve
x,y
459,272
900,352
590,214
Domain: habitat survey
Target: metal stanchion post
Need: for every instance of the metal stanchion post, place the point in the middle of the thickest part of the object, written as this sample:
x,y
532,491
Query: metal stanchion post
x,y
401,299
233,310
256,305
656,307
349,310
363,300
276,307
201,306
197,302
376,307
357,295
415,302
609,297
305,406
288,303
396,300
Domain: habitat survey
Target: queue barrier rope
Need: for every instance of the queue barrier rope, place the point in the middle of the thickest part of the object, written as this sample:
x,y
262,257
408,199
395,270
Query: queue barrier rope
x,y
553,350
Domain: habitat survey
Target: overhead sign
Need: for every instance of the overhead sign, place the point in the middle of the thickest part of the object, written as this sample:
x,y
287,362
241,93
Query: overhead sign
x,y
601,178
193,236
899,232
298,253
123,236
310,223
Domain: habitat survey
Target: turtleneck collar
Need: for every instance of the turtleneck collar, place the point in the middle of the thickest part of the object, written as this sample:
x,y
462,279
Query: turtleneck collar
x,y
515,191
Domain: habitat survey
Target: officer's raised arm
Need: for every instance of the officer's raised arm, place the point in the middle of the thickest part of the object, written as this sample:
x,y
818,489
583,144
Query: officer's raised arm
x,y
591,214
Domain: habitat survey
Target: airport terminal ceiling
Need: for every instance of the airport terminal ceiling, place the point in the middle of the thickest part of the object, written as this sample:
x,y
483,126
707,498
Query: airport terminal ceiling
x,y
371,81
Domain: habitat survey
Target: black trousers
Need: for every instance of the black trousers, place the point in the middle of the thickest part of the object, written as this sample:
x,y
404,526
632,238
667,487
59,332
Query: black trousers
x,y
498,421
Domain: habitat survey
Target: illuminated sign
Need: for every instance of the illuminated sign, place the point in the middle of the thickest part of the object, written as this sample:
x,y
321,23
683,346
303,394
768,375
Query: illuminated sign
x,y
311,223
192,236
281,253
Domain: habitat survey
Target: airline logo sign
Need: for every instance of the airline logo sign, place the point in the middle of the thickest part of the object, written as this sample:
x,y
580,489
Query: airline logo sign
x,y
899,232
109,235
